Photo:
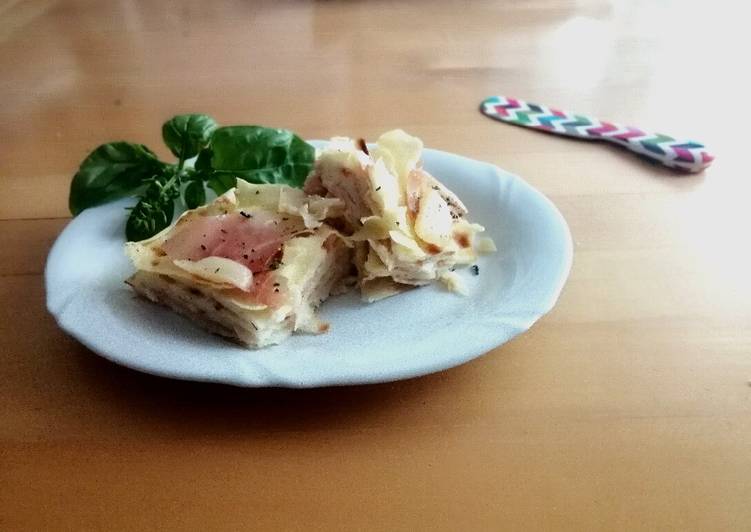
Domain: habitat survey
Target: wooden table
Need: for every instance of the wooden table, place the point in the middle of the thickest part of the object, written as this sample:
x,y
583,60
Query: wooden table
x,y
627,407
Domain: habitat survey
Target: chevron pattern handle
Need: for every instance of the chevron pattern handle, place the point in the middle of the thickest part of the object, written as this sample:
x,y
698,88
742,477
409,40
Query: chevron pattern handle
x,y
683,155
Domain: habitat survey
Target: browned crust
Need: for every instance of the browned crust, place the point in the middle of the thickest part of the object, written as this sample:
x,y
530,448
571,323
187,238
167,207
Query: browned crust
x,y
462,239
362,146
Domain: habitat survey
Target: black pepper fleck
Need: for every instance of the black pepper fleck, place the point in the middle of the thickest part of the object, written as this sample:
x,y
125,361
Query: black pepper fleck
x,y
378,188
475,270
216,271
203,247
245,257
245,214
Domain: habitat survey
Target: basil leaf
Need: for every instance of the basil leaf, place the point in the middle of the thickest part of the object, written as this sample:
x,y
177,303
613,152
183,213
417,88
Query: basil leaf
x,y
259,155
186,135
203,162
110,172
155,210
194,194
221,182
147,218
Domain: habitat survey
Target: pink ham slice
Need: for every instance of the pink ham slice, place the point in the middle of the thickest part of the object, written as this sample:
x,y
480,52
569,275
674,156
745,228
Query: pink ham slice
x,y
265,290
250,238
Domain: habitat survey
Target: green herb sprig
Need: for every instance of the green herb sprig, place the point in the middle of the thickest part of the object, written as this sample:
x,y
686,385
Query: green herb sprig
x,y
122,169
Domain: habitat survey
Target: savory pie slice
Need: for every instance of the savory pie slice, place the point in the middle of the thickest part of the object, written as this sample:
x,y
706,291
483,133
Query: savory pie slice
x,y
252,266
408,228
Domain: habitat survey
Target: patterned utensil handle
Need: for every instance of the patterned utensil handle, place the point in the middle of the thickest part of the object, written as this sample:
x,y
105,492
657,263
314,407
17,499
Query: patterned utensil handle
x,y
684,155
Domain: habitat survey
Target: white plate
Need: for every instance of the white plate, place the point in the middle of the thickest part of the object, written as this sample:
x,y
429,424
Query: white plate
x,y
416,333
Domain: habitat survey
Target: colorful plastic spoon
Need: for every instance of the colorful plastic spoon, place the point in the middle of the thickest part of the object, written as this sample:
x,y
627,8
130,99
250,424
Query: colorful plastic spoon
x,y
685,155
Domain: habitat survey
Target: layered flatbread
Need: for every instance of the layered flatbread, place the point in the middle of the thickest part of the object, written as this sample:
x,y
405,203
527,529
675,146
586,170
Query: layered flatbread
x,y
252,266
408,228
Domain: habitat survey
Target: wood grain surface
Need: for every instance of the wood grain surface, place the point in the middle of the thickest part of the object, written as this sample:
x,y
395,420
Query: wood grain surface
x,y
627,407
